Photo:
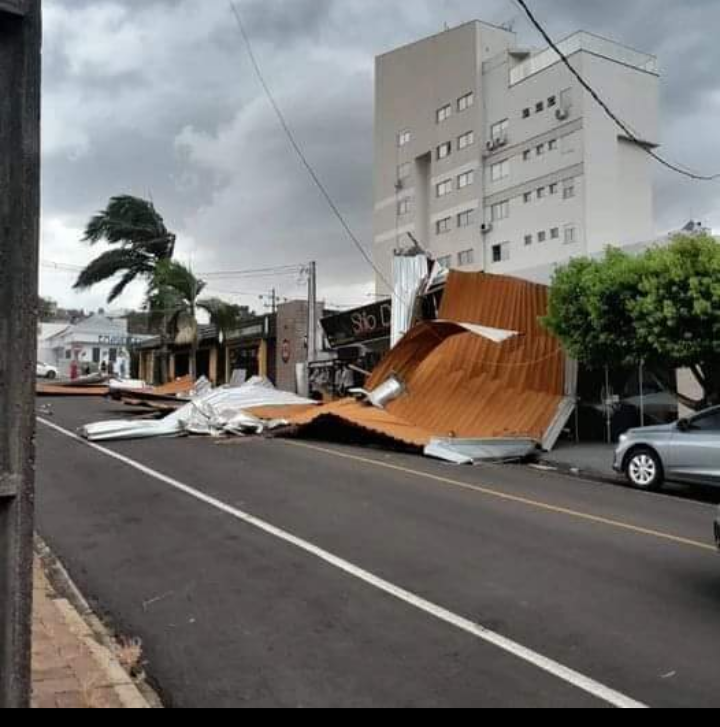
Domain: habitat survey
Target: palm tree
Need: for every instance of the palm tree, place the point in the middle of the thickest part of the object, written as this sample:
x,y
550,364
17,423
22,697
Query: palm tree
x,y
141,241
174,298
226,317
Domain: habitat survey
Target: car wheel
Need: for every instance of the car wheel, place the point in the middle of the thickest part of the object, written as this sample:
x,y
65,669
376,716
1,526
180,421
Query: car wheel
x,y
644,470
51,375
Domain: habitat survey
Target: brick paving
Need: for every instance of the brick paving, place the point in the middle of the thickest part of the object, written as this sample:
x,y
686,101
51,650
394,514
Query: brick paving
x,y
71,670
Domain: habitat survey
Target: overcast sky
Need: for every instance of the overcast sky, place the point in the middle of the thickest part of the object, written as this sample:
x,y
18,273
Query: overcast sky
x,y
157,98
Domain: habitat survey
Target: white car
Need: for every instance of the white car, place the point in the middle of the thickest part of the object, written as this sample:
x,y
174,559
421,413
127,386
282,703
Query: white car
x,y
45,371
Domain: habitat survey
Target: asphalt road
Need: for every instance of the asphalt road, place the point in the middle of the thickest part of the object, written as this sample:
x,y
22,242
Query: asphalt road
x,y
621,587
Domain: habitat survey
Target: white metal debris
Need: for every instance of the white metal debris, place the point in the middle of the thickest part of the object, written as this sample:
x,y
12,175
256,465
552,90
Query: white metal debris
x,y
470,451
215,412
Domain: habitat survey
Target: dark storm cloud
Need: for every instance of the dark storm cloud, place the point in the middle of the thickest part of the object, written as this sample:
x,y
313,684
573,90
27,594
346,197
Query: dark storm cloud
x,y
157,97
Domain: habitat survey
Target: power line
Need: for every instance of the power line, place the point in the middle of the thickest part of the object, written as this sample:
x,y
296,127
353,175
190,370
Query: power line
x,y
613,116
63,267
296,146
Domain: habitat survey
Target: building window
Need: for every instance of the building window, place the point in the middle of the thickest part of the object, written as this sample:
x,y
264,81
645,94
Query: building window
x,y
554,188
445,188
445,261
540,149
466,140
404,171
542,236
541,193
444,150
528,240
552,145
500,211
68,354
500,171
501,253
444,113
571,235
526,155
113,355
568,188
555,233
539,107
404,138
442,227
466,179
467,257
465,102
466,219
499,131
552,102
527,197
404,206
526,113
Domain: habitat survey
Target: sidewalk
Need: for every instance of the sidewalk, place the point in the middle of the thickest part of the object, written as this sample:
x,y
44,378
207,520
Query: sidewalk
x,y
593,459
71,668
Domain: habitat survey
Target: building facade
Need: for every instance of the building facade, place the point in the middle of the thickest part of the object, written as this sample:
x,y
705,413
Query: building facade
x,y
270,345
87,345
495,158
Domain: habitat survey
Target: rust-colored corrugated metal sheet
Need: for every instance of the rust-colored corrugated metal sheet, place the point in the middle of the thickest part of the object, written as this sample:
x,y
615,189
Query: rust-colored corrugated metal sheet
x,y
462,385
58,390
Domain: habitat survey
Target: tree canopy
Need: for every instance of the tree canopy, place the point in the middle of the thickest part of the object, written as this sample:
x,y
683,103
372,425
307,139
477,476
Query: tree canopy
x,y
661,308
138,238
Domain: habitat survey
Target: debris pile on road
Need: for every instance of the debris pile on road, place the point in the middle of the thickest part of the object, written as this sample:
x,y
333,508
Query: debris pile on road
x,y
212,412
486,381
138,393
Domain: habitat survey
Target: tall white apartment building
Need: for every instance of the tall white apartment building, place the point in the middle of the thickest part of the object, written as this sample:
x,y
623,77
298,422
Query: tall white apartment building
x,y
495,158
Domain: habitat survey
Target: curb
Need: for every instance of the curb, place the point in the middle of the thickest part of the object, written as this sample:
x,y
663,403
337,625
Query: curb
x,y
579,473
87,627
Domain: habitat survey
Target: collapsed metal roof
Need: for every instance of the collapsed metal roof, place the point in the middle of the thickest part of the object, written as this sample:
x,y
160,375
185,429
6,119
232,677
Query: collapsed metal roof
x,y
463,385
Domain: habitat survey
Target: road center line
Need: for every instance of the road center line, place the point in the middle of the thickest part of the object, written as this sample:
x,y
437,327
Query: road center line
x,y
498,494
565,674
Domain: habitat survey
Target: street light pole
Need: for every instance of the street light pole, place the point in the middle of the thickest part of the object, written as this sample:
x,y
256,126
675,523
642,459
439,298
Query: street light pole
x,y
20,43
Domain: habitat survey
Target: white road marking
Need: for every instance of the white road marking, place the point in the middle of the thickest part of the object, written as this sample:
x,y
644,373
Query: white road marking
x,y
575,679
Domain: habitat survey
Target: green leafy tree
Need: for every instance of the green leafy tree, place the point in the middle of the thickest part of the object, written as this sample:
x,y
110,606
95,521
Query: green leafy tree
x,y
138,238
661,308
677,314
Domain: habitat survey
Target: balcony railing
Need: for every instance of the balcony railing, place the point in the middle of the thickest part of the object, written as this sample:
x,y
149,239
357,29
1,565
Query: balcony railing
x,y
583,41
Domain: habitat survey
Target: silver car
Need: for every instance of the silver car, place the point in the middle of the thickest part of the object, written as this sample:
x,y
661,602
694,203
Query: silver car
x,y
687,451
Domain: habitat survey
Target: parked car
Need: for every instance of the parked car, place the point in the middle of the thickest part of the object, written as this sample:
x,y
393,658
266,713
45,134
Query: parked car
x,y
45,371
686,451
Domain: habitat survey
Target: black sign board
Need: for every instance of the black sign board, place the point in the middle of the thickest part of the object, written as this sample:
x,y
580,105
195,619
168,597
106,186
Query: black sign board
x,y
17,7
360,325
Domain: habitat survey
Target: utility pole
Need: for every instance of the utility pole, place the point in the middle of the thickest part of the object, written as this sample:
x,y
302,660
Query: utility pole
x,y
272,306
20,43
312,313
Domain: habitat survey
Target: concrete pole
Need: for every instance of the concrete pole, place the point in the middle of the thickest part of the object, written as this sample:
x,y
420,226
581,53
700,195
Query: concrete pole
x,y
20,42
312,314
